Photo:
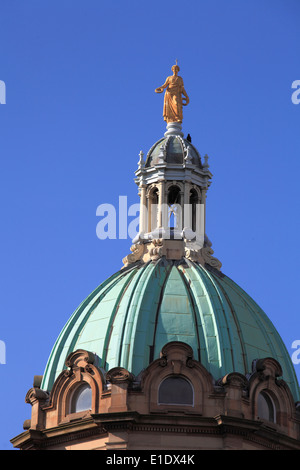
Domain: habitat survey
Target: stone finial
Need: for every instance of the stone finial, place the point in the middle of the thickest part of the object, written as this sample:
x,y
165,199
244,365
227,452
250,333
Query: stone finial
x,y
206,165
162,155
188,156
141,162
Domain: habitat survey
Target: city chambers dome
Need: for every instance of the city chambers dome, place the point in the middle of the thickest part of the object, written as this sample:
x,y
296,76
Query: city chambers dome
x,y
168,352
128,319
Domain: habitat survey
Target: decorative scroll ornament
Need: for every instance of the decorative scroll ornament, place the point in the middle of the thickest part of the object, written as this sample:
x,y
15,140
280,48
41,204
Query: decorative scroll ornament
x,y
118,375
206,253
34,394
155,251
203,256
137,253
159,247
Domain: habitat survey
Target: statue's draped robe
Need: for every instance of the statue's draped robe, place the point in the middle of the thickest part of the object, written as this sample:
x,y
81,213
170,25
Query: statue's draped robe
x,y
173,99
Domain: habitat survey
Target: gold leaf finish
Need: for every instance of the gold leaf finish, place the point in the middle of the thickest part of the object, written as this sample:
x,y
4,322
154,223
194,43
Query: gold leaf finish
x,y
175,96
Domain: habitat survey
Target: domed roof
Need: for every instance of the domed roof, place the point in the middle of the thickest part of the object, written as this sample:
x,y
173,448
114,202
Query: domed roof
x,y
129,318
175,148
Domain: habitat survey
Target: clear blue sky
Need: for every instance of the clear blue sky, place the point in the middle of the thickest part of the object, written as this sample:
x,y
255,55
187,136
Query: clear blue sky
x,y
80,105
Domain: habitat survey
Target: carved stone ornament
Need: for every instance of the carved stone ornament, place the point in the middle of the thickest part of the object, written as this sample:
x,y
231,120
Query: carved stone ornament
x,y
118,375
267,366
79,358
163,361
203,256
155,251
36,394
206,253
168,349
68,372
137,253
194,255
235,379
141,162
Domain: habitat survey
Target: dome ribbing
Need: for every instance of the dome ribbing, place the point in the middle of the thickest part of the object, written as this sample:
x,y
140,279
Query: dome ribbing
x,y
175,150
129,318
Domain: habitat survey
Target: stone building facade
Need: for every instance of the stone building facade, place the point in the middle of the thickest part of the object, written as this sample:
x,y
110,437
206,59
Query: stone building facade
x,y
169,352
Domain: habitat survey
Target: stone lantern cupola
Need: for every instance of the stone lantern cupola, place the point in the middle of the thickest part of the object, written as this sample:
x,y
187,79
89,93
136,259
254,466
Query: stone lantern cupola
x,y
173,182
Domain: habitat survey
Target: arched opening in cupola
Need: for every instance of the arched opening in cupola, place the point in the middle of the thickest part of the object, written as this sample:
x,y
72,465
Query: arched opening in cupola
x,y
174,207
152,209
193,208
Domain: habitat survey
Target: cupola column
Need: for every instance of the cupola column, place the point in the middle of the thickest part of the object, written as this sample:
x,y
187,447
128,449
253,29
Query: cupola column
x,y
148,199
187,220
165,208
143,209
202,215
161,193
181,221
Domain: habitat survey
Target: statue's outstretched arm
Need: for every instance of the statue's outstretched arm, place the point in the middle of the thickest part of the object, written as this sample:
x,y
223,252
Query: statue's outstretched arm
x,y
187,100
161,88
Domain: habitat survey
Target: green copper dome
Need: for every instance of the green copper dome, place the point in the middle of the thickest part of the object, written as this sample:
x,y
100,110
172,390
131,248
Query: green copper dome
x,y
129,318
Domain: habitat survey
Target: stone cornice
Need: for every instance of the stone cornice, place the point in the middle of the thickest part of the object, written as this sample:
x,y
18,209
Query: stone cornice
x,y
71,431
132,422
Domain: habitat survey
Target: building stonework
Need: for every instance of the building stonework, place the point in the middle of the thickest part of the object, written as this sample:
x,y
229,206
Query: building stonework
x,y
126,412
168,353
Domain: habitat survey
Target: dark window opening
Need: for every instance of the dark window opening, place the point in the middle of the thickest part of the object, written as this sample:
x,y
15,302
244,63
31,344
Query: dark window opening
x,y
193,203
175,391
265,407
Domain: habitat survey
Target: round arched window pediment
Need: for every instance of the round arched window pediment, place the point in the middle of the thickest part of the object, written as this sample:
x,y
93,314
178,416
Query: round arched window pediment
x,y
81,398
175,390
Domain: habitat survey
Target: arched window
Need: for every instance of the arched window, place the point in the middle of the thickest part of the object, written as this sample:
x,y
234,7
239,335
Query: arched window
x,y
193,203
175,390
152,209
175,215
265,407
81,399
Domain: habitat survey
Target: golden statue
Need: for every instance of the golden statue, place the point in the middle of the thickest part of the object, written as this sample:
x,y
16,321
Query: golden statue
x,y
174,96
